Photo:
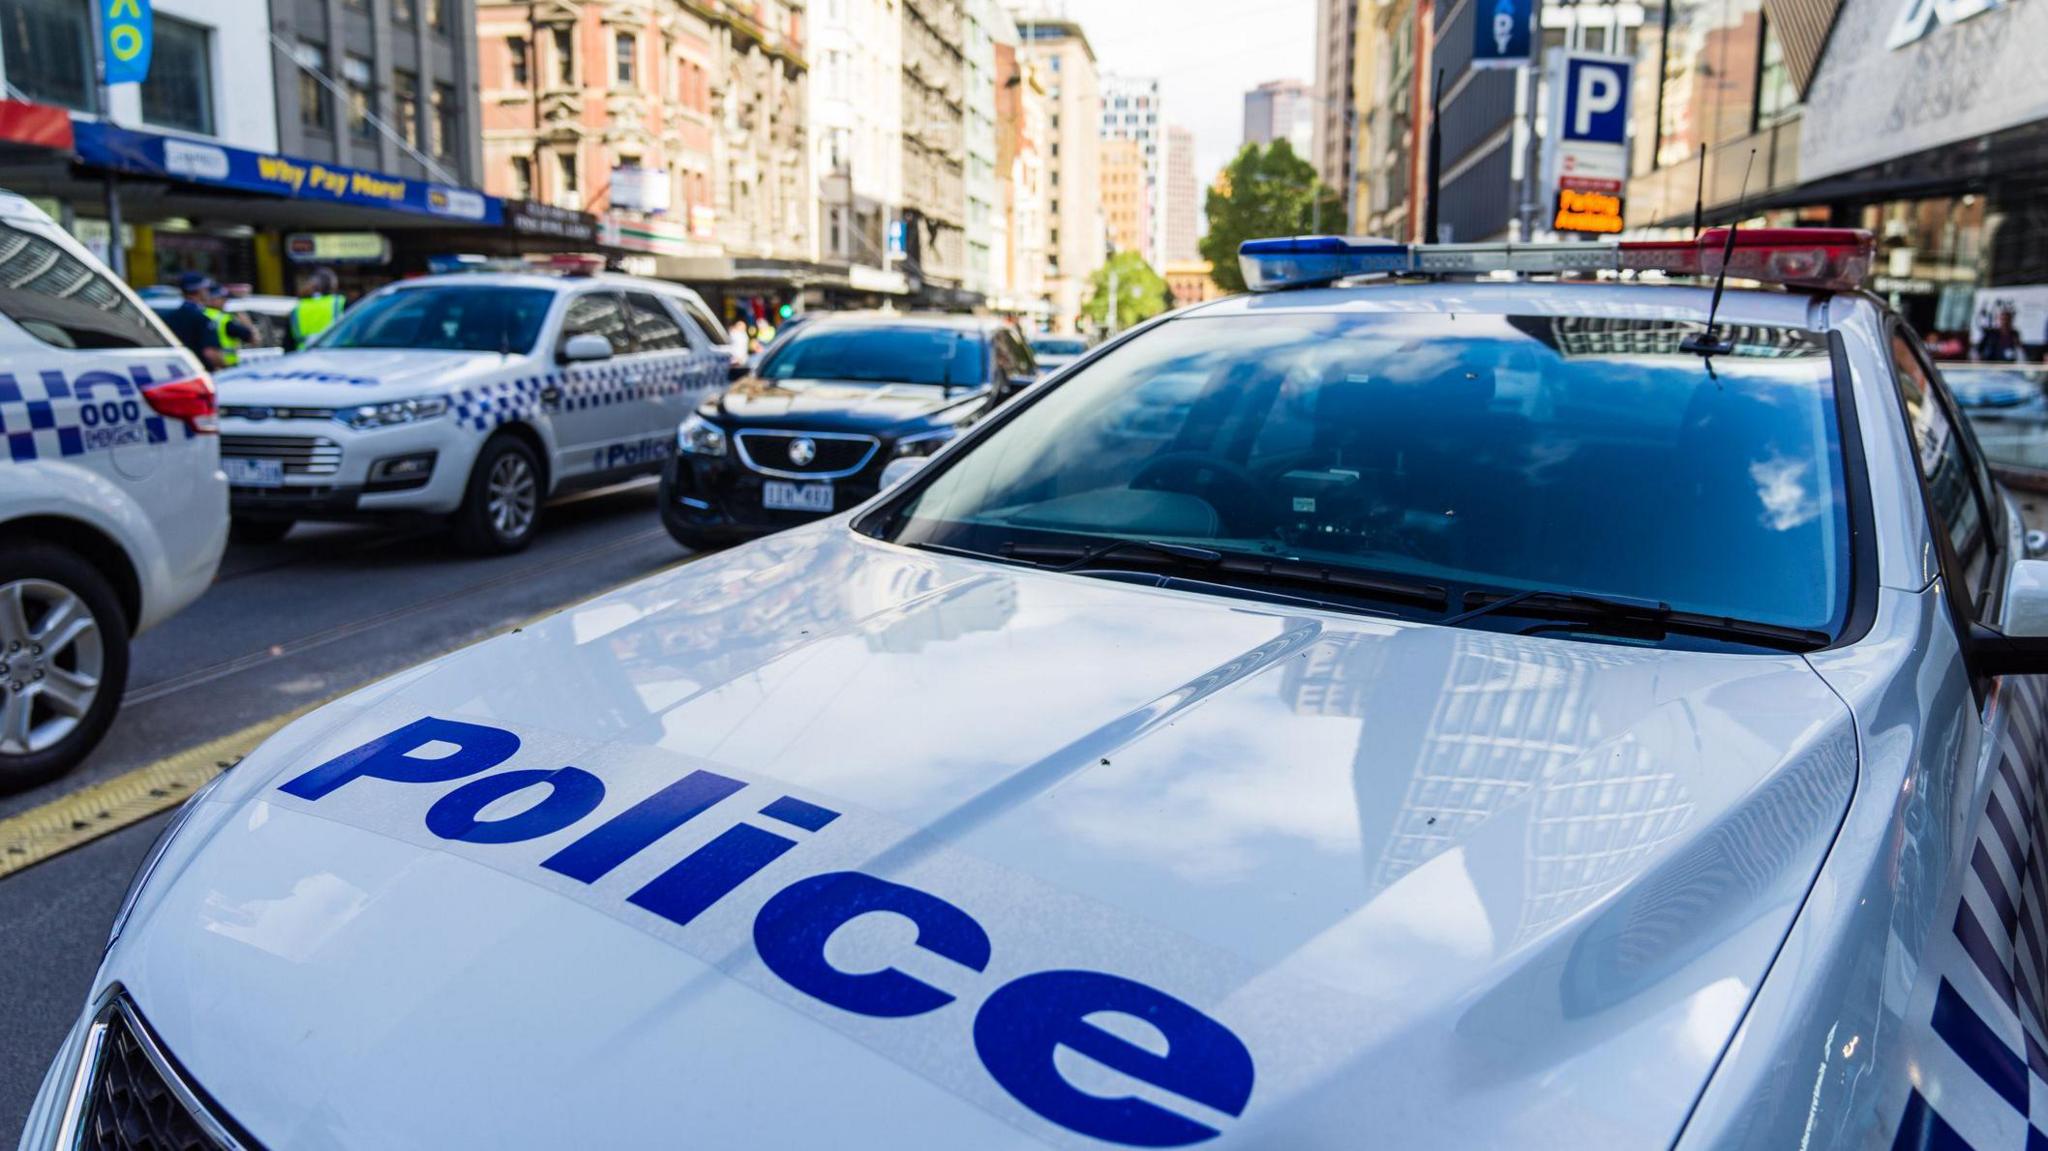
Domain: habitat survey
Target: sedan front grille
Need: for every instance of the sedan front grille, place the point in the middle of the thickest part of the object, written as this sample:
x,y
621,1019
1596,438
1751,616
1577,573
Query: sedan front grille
x,y
806,455
138,1101
301,455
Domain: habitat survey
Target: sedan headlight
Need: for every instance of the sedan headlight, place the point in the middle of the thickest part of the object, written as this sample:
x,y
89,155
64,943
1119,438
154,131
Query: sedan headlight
x,y
924,443
700,437
396,412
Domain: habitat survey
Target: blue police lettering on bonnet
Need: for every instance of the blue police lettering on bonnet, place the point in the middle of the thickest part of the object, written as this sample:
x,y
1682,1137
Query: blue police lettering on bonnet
x,y
1016,1030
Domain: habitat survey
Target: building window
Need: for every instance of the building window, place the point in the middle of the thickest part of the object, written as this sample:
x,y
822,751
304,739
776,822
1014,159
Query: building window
x,y
515,52
522,178
403,11
405,105
1776,94
355,76
622,68
48,45
312,62
444,130
568,190
179,90
565,57
437,15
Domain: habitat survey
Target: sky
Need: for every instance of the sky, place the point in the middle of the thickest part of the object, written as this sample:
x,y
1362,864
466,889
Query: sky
x,y
1206,54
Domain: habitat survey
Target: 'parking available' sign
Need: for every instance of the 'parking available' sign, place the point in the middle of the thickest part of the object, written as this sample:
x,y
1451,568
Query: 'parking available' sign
x,y
1586,149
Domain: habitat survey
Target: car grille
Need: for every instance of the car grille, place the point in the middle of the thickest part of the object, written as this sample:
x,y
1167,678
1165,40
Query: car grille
x,y
133,1107
301,455
834,455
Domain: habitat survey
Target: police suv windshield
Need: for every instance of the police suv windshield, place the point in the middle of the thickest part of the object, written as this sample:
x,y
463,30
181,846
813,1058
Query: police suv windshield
x,y
445,317
880,354
1480,455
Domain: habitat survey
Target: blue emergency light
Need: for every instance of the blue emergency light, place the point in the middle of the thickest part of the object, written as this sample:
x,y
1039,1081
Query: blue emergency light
x,y
1309,261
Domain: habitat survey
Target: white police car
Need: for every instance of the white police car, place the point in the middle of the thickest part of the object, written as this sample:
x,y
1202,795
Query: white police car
x,y
471,396
1434,713
113,512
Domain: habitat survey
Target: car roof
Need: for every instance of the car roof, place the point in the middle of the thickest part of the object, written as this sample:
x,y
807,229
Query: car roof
x,y
1687,300
551,282
953,321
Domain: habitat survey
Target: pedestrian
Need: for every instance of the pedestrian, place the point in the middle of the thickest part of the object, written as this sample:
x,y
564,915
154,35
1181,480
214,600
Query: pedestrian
x,y
229,331
190,322
320,304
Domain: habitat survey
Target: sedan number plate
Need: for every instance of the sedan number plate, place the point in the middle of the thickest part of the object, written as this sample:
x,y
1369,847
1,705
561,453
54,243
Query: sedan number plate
x,y
788,497
245,473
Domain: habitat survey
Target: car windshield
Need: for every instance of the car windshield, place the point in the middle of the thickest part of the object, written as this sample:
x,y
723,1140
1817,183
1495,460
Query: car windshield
x,y
1058,347
1507,453
879,354
445,317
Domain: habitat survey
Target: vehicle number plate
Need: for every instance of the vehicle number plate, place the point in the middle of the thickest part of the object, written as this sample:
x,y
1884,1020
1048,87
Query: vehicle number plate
x,y
245,473
789,497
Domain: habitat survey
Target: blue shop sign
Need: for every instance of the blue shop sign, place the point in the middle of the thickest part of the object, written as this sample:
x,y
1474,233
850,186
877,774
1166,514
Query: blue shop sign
x,y
217,165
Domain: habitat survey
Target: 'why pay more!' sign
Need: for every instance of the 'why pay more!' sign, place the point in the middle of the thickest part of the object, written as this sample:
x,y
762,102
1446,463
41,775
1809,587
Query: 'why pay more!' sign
x,y
1585,155
126,37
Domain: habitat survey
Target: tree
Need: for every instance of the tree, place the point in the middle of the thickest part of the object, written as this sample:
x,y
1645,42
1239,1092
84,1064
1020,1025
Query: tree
x,y
1141,293
1264,192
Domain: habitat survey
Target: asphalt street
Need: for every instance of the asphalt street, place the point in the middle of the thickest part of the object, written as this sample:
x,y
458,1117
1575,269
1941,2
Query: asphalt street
x,y
328,609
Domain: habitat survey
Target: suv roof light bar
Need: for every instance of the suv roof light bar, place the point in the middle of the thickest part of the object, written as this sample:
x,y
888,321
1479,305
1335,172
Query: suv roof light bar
x,y
1834,259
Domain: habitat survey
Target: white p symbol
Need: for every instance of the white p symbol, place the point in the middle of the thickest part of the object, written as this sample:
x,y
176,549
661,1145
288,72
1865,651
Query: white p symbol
x,y
1599,91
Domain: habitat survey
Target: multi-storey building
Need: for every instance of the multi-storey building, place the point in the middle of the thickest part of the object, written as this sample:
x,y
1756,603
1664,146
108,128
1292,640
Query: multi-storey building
x,y
761,170
1391,114
979,175
1022,124
1281,110
1130,111
1126,209
1074,231
934,150
1334,143
1179,204
857,137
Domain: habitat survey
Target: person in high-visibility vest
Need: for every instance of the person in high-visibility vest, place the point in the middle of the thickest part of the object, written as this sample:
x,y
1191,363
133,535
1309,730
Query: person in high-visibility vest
x,y
320,305
232,332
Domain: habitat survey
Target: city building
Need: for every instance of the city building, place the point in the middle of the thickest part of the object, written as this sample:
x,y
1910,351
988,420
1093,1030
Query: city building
x,y
761,162
978,51
1281,110
1074,233
934,152
1023,119
857,142
1390,113
1126,209
1181,201
1190,282
1333,141
605,109
1130,111
207,161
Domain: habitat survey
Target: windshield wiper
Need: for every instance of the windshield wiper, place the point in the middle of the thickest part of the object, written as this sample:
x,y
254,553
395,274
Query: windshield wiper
x,y
1066,557
1628,616
1215,565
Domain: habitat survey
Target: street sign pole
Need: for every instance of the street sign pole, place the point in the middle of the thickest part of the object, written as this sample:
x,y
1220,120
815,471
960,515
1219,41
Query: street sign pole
x,y
1527,82
117,256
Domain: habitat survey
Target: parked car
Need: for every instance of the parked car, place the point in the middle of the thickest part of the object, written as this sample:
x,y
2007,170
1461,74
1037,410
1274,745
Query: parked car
x,y
1552,713
827,410
1056,352
470,397
113,511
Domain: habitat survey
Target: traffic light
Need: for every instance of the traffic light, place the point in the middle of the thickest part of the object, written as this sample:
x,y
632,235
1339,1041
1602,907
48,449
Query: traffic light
x,y
785,311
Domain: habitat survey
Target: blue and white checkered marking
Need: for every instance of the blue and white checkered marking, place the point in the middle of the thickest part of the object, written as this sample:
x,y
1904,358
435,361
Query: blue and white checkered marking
x,y
52,415
488,406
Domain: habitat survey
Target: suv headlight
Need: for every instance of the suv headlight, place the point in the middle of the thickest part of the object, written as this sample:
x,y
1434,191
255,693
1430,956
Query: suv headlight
x,y
924,443
700,437
386,415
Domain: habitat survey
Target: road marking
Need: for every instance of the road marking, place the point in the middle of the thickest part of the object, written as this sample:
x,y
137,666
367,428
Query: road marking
x,y
90,812
79,817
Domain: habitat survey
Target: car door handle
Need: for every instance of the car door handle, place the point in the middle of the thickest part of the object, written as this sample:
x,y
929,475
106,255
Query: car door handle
x,y
550,394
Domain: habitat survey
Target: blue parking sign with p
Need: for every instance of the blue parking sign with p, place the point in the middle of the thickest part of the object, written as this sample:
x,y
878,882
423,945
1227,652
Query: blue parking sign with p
x,y
1501,33
1595,101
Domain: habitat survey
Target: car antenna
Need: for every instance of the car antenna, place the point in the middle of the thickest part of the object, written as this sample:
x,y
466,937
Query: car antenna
x,y
1699,193
1436,159
1707,343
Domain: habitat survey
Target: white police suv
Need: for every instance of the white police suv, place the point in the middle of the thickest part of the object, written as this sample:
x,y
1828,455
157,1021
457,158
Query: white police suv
x,y
1425,711
471,396
113,512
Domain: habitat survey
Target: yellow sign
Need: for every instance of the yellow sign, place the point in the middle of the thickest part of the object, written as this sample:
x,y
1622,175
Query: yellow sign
x,y
1581,211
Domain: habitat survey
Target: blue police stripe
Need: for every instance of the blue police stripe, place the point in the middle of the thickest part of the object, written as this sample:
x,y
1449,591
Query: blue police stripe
x,y
1984,953
1980,1047
1920,1129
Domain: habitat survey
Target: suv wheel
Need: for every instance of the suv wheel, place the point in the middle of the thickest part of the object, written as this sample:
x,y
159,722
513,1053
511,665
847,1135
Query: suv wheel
x,y
63,661
502,505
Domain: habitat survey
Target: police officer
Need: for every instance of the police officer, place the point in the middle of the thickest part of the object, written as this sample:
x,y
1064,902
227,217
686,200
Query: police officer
x,y
190,322
320,304
230,332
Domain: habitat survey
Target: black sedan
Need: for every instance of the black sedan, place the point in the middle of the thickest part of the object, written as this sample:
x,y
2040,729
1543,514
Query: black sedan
x,y
809,433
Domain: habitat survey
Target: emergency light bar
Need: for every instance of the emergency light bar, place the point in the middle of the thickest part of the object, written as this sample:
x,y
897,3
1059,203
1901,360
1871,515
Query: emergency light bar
x,y
1836,259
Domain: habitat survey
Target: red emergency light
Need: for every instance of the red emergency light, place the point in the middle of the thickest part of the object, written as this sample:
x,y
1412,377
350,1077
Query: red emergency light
x,y
1836,259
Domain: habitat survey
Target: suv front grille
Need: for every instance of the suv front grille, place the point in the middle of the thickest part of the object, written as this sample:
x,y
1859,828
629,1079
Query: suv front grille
x,y
301,455
831,455
135,1104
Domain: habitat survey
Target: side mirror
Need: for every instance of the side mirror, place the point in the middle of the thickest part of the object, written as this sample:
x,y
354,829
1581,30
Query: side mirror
x,y
1016,384
586,347
901,468
2021,648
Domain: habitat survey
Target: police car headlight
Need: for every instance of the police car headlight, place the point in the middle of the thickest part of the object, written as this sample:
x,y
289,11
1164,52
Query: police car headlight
x,y
396,412
923,444
700,437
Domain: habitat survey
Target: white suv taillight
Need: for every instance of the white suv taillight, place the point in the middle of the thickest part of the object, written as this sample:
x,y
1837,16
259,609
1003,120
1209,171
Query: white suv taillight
x,y
190,400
